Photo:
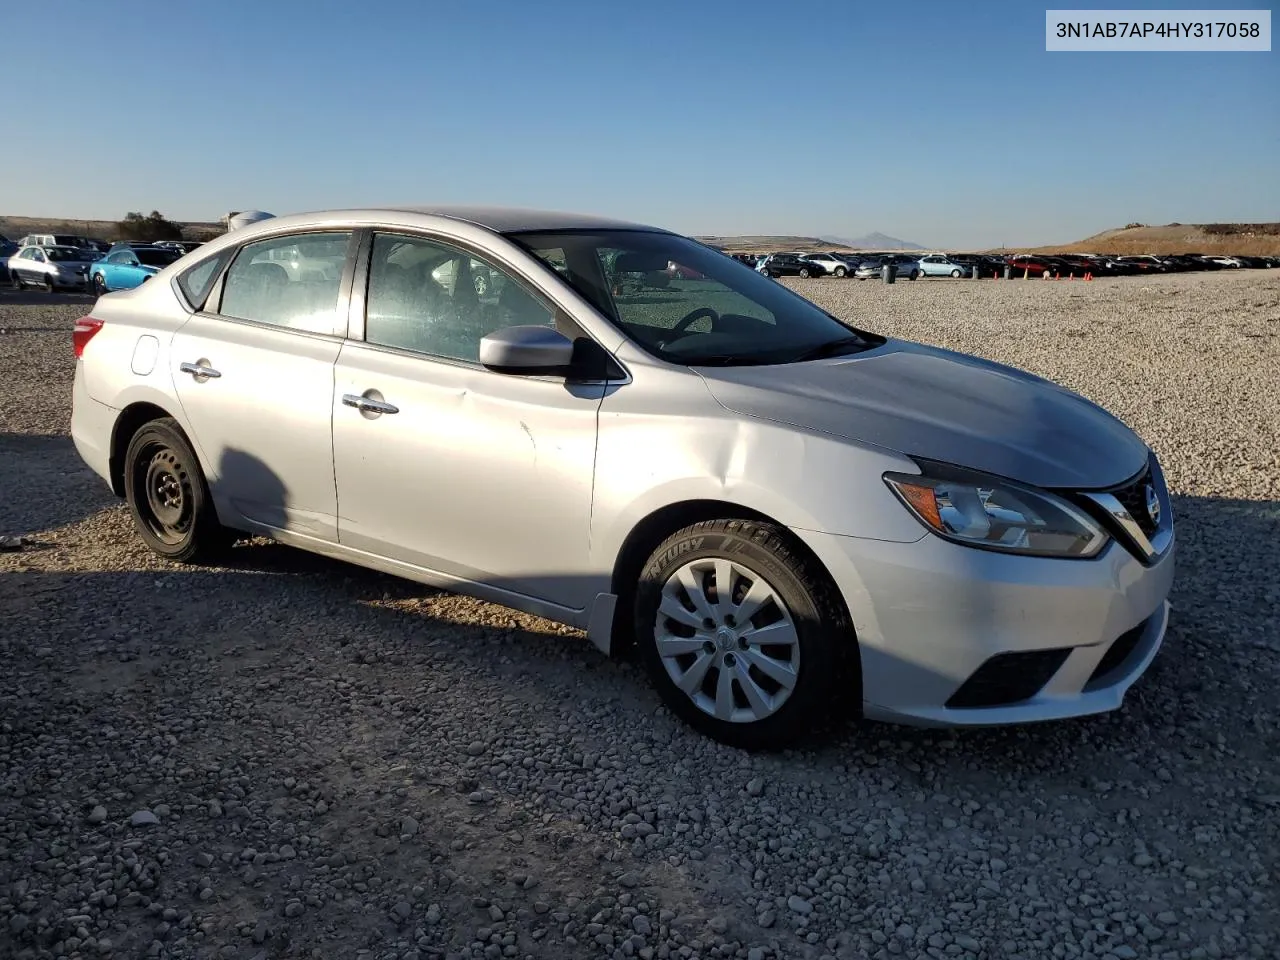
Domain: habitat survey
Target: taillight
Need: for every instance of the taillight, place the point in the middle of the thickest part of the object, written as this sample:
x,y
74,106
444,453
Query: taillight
x,y
83,332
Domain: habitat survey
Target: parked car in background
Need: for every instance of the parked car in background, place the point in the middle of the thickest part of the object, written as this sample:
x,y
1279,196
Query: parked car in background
x,y
184,246
778,511
126,266
789,265
52,267
940,265
832,264
7,249
908,266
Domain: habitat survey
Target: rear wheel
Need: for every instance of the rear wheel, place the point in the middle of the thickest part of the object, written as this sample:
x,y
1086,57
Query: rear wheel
x,y
16,280
743,636
169,498
913,275
804,272
48,284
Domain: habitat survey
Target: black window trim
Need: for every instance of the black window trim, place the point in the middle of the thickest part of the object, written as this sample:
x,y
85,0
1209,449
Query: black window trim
x,y
615,373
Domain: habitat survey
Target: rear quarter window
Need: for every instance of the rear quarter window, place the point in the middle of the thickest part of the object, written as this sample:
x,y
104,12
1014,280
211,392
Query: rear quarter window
x,y
196,282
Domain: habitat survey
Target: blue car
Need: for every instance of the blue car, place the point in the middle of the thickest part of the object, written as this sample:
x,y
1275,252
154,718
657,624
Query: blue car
x,y
128,265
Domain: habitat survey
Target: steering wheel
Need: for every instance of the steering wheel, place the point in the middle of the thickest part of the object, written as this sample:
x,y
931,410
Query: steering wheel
x,y
681,329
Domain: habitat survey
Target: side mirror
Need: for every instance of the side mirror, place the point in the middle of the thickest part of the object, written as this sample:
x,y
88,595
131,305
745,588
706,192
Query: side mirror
x,y
532,349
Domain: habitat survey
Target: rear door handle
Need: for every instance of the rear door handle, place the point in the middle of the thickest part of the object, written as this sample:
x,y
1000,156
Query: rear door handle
x,y
200,370
366,405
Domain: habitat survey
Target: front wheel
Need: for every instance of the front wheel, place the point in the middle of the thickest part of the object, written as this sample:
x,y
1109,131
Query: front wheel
x,y
743,636
48,284
840,271
99,284
169,498
16,280
913,275
955,274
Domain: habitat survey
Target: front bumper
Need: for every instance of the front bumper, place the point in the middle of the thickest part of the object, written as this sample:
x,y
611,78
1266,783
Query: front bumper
x,y
930,614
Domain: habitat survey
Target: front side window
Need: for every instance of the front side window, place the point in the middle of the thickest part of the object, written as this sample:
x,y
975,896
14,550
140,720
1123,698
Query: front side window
x,y
731,316
434,298
290,281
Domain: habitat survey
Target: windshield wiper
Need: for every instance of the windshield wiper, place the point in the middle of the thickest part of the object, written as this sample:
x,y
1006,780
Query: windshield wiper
x,y
831,348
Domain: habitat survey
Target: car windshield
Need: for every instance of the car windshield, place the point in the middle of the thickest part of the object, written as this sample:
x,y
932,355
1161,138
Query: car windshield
x,y
63,253
156,258
728,315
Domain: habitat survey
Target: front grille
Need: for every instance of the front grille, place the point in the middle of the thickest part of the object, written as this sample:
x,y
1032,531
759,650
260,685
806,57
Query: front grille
x,y
1117,653
1008,678
1133,497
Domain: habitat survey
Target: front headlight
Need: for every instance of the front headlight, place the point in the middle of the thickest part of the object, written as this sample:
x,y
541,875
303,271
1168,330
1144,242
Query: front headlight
x,y
984,511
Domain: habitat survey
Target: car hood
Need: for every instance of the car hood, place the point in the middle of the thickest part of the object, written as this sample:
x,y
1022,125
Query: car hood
x,y
927,402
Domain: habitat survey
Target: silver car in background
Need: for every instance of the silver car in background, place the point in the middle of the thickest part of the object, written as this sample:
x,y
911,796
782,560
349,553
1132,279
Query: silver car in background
x,y
51,268
783,515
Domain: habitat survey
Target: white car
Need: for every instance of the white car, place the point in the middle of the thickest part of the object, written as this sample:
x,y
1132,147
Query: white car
x,y
52,268
833,266
783,515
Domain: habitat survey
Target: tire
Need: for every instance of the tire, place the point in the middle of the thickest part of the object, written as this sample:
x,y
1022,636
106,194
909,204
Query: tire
x,y
840,271
16,280
99,285
799,601
48,284
955,274
914,274
804,273
160,466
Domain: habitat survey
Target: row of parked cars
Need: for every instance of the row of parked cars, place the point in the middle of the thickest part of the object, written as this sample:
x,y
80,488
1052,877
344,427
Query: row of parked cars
x,y
53,261
865,266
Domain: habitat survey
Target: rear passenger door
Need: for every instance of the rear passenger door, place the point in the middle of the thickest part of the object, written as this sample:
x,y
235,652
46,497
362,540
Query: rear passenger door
x,y
254,373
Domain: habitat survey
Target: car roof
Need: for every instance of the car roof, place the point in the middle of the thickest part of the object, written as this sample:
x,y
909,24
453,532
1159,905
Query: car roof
x,y
498,219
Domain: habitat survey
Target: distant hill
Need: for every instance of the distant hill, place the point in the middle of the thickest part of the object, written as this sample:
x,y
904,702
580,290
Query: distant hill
x,y
875,241
761,243
17,227
1248,239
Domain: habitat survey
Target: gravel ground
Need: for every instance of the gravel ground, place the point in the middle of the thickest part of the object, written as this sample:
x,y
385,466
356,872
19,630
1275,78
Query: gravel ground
x,y
294,757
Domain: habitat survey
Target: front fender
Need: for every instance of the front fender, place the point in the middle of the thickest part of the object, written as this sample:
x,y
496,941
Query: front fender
x,y
649,458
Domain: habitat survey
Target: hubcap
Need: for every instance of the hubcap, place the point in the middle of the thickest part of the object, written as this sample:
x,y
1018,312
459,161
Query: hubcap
x,y
727,640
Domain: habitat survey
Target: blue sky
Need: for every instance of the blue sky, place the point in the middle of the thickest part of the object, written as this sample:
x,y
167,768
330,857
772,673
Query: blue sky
x,y
943,123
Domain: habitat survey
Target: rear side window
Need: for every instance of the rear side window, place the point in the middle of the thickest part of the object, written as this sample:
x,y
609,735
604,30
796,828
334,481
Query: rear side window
x,y
197,281
291,281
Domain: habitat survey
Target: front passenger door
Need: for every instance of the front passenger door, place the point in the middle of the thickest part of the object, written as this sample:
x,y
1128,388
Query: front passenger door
x,y
474,474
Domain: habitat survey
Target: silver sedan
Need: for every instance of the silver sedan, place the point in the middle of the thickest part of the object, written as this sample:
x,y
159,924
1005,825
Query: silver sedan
x,y
780,512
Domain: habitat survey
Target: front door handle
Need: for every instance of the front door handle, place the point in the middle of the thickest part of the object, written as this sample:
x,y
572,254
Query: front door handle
x,y
367,405
200,370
